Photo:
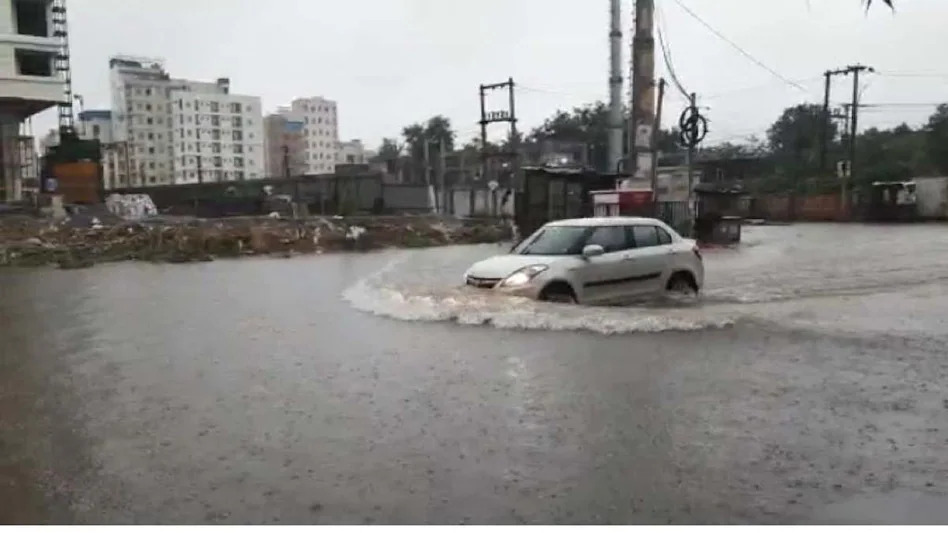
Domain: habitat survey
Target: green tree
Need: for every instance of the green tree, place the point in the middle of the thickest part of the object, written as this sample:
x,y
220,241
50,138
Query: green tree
x,y
887,155
414,136
389,150
795,138
436,130
937,139
588,124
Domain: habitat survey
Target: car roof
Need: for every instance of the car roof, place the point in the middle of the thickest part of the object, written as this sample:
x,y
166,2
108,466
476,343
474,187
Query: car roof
x,y
606,221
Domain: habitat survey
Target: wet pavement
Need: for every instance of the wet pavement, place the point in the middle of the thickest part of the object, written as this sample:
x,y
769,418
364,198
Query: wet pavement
x,y
806,386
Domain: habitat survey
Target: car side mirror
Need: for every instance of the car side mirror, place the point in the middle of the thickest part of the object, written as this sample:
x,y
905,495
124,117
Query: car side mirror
x,y
593,250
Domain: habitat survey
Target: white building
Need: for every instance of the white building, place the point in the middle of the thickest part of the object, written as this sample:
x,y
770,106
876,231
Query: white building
x,y
182,131
320,143
95,124
353,153
30,81
216,137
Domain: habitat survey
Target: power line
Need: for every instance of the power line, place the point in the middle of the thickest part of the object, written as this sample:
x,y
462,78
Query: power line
x,y
666,53
737,47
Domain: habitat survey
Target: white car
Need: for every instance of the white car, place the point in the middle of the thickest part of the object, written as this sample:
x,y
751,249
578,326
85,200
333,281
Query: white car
x,y
595,261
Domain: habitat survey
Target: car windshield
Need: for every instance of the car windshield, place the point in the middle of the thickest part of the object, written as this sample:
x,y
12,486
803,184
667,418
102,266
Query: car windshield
x,y
554,240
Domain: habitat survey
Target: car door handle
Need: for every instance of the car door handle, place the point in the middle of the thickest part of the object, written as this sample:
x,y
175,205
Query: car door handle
x,y
629,257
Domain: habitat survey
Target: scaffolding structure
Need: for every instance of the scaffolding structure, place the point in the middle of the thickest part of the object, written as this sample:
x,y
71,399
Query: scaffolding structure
x,y
67,121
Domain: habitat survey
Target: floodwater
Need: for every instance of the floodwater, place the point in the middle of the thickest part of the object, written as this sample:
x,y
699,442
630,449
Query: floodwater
x,y
806,386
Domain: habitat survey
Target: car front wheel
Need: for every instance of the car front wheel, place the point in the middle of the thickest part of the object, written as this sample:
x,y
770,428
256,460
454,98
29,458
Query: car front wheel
x,y
682,284
558,293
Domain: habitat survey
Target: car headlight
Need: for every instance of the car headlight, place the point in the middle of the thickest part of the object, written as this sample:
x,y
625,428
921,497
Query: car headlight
x,y
523,276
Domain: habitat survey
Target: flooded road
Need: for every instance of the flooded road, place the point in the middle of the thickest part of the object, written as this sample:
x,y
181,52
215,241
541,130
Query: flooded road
x,y
808,385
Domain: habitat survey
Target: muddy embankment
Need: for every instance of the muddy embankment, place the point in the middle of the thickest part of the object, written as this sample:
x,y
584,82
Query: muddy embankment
x,y
30,241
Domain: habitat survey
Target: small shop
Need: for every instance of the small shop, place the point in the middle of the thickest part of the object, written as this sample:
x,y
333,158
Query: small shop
x,y
626,203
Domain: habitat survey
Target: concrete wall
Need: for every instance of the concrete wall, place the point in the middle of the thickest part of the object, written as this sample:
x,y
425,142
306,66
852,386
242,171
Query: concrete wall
x,y
476,202
406,198
816,208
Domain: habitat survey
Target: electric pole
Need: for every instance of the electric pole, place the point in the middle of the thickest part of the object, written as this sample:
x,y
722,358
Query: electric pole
x,y
655,131
615,84
853,122
643,90
512,153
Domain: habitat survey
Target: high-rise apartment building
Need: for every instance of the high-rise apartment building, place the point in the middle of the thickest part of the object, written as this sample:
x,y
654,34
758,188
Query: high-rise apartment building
x,y
180,131
31,77
285,146
320,136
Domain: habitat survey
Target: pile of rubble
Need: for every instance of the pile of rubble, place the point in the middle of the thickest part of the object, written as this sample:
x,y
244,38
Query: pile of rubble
x,y
31,241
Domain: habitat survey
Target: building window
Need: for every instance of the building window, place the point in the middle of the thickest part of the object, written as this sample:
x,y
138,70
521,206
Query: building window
x,y
148,93
238,162
215,107
150,121
151,149
147,107
238,135
151,165
238,122
33,63
216,148
215,120
151,136
238,149
235,107
31,18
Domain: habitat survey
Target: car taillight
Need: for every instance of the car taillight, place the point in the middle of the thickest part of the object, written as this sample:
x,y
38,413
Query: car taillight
x,y
697,252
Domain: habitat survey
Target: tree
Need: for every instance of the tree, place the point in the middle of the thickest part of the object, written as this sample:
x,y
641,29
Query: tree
x,y
439,130
414,136
389,150
436,130
888,155
937,138
588,125
795,138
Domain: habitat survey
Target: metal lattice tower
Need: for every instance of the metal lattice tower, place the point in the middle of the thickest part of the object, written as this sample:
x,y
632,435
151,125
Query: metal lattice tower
x,y
67,124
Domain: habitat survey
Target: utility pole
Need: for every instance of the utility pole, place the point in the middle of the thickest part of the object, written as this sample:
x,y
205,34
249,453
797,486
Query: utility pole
x,y
509,116
856,70
442,157
615,84
655,131
853,122
427,156
824,132
689,161
286,161
643,86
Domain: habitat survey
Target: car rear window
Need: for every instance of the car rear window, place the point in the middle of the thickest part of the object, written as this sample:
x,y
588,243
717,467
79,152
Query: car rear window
x,y
645,236
663,236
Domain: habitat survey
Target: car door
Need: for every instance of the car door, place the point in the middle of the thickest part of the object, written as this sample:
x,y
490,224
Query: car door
x,y
645,263
602,277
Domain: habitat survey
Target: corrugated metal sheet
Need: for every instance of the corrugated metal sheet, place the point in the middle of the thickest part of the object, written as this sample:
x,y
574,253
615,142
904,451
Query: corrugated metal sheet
x,y
79,182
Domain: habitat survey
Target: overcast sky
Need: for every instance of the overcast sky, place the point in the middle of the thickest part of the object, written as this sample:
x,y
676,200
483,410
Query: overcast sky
x,y
392,62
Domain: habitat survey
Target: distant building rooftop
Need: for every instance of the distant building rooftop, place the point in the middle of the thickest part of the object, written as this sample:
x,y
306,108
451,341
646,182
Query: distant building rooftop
x,y
95,114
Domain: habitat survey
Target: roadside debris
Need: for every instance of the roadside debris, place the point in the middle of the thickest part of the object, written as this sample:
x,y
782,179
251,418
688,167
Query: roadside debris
x,y
32,241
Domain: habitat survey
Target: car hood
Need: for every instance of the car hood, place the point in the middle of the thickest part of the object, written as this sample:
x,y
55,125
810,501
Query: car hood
x,y
501,266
